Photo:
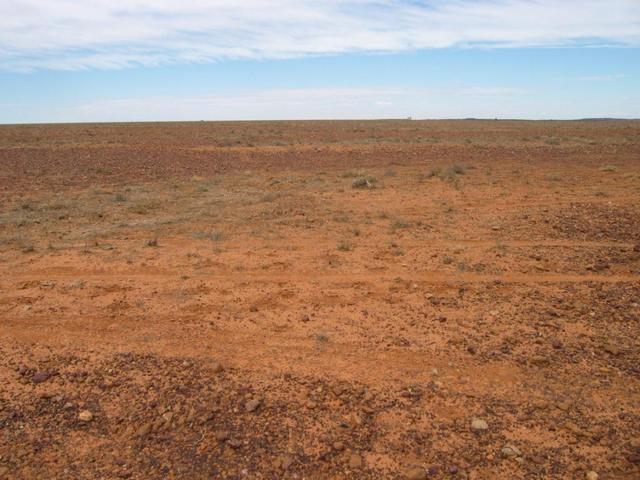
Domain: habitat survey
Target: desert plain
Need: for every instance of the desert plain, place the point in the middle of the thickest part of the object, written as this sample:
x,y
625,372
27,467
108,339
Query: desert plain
x,y
320,300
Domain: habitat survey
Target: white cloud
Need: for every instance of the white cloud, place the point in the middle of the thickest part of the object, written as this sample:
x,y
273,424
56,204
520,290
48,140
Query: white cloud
x,y
107,34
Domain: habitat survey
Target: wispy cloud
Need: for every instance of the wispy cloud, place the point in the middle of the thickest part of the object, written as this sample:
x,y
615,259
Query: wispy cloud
x,y
108,34
602,78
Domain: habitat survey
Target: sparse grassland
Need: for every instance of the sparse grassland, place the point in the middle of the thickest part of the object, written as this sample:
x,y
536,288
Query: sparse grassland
x,y
319,299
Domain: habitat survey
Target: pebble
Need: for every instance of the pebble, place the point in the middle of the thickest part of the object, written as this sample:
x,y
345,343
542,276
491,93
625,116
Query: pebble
x,y
355,461
85,416
252,405
592,475
479,425
287,461
510,451
40,377
416,473
217,367
612,349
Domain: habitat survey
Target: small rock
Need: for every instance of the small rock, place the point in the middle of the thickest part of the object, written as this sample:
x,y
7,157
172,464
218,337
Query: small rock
x,y
612,349
479,425
40,377
591,475
287,461
557,344
234,443
217,367
416,473
472,349
433,470
453,469
168,416
3,472
252,405
539,361
305,318
253,308
338,445
85,416
144,430
355,461
511,451
221,435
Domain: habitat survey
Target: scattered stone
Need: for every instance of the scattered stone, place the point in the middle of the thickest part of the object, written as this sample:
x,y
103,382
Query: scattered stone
x,y
557,344
305,318
634,456
612,349
510,451
252,405
234,443
355,461
539,361
168,416
144,430
591,475
217,367
287,461
472,349
40,377
433,470
479,425
85,416
416,473
453,469
539,459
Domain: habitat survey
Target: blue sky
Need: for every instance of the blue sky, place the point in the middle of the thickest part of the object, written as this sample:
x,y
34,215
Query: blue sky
x,y
214,60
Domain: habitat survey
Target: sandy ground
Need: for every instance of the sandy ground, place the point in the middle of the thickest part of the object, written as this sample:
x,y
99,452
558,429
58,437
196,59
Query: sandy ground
x,y
392,299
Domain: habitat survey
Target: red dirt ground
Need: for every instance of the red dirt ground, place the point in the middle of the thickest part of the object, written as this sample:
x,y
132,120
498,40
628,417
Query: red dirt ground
x,y
220,300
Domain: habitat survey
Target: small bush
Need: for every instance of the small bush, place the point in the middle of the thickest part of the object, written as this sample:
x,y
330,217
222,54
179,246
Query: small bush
x,y
608,168
345,246
400,223
364,182
153,242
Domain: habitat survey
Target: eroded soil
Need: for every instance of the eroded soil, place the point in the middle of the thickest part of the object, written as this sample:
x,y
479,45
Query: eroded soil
x,y
320,300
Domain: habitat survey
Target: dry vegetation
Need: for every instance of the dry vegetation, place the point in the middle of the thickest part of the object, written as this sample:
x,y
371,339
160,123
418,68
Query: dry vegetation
x,y
392,299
